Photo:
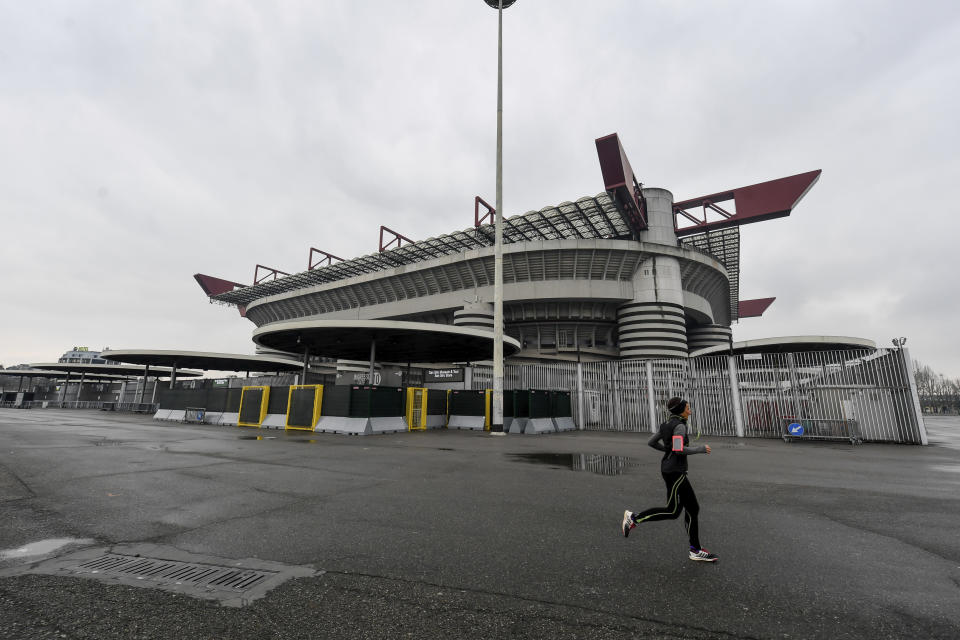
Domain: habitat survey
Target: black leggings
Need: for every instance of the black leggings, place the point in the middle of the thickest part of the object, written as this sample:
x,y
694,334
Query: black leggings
x,y
680,495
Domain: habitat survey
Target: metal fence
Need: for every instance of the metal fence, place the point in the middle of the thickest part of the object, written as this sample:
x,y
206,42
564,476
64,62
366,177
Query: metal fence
x,y
871,392
135,407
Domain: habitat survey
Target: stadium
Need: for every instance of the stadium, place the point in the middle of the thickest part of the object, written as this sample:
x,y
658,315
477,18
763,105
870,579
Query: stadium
x,y
625,274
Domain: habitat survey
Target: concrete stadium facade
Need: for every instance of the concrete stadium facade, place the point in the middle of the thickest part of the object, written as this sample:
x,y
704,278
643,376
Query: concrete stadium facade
x,y
567,295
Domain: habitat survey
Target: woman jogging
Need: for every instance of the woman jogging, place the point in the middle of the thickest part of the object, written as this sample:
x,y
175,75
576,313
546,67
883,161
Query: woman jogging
x,y
672,438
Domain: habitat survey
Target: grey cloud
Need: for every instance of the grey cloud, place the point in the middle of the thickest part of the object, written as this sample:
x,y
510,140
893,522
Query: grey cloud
x,y
172,137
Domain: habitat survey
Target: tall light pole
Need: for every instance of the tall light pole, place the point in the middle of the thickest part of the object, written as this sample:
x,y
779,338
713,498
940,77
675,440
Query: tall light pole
x,y
497,418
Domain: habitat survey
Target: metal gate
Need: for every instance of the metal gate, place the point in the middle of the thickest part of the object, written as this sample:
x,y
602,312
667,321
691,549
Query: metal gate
x,y
752,395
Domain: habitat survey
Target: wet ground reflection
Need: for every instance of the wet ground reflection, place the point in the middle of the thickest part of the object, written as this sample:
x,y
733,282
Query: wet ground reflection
x,y
42,547
605,465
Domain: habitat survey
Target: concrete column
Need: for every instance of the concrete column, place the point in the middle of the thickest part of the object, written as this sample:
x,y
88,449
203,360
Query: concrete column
x,y
652,330
653,324
659,217
63,392
735,396
173,375
475,315
143,384
306,364
707,335
83,375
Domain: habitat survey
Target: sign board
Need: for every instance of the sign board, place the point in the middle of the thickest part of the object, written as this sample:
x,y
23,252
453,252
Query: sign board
x,y
753,356
383,377
795,429
453,374
221,382
362,378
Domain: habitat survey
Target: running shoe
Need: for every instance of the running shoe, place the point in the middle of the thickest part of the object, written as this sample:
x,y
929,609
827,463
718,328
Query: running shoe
x,y
702,556
627,523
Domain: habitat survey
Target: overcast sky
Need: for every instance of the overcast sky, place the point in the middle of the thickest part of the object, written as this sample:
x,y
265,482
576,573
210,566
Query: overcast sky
x,y
142,142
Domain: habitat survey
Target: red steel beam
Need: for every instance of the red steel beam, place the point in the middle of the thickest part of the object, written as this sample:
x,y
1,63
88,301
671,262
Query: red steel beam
x,y
620,182
753,308
215,286
491,212
396,238
270,272
327,257
758,202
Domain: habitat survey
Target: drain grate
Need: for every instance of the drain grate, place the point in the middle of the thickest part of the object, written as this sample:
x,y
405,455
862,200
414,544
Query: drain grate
x,y
171,572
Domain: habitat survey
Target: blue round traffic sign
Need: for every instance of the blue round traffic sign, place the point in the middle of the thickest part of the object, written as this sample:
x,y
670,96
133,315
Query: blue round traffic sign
x,y
795,429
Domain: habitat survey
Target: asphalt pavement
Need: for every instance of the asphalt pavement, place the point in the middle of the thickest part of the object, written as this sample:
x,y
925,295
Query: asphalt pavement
x,y
463,534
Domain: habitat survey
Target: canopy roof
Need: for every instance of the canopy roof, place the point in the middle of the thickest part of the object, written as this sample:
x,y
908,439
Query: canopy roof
x,y
396,341
112,369
791,344
31,373
204,360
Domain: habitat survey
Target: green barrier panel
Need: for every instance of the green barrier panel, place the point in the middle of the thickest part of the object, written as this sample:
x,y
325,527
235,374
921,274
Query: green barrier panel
x,y
507,403
387,402
521,403
468,403
336,401
560,406
539,404
233,396
279,396
359,402
437,402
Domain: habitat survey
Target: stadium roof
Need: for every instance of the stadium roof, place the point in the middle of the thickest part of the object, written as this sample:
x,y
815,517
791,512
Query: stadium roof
x,y
597,217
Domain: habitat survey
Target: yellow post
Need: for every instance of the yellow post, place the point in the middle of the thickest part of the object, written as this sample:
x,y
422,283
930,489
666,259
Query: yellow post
x,y
486,416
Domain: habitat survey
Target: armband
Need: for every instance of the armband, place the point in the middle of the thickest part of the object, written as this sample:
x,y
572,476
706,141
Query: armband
x,y
677,443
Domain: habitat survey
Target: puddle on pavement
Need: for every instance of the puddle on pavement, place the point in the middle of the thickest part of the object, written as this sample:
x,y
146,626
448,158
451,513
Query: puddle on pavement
x,y
256,437
604,465
42,547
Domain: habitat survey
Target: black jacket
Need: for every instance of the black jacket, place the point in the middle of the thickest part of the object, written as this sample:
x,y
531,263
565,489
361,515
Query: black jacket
x,y
662,440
